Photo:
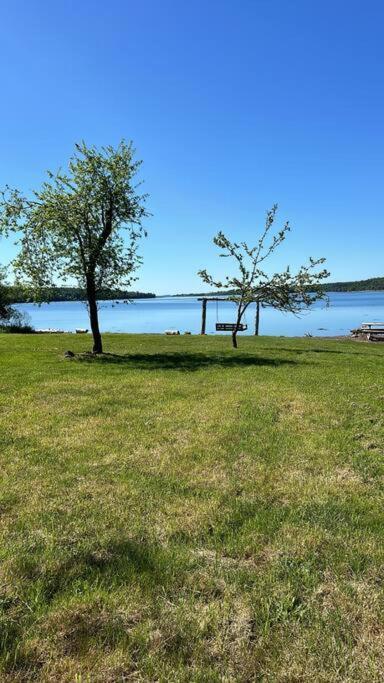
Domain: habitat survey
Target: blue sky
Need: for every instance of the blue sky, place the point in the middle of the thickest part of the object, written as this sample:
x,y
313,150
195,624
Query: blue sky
x,y
232,105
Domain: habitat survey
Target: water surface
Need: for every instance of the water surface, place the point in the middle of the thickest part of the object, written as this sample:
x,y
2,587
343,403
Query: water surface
x,y
346,310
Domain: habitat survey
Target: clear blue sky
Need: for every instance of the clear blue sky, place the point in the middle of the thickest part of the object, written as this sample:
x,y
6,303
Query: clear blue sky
x,y
232,105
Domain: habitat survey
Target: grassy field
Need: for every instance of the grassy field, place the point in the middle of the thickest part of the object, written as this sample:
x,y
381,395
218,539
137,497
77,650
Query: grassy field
x,y
178,511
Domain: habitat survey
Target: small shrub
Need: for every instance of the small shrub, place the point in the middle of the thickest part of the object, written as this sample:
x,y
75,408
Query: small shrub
x,y
17,329
16,322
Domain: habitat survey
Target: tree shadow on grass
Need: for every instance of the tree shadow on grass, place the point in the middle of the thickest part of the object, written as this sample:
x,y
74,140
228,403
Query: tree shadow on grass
x,y
187,362
118,562
287,349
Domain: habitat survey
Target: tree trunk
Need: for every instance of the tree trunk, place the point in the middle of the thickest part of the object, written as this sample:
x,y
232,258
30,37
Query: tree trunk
x,y
94,316
240,313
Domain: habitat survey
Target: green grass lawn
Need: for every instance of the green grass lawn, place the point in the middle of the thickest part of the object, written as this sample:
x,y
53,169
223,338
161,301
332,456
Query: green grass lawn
x,y
179,511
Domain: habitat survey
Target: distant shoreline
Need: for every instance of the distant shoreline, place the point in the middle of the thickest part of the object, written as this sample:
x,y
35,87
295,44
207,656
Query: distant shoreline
x,y
143,295
226,294
18,295
374,284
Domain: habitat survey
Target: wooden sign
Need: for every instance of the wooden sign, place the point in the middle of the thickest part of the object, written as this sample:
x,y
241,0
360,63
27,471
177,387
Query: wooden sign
x,y
230,327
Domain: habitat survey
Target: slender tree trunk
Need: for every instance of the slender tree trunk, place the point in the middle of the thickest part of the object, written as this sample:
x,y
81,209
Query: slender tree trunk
x,y
94,316
240,313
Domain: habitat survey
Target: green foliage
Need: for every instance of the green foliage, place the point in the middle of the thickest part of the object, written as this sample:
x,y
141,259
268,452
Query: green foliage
x,y
16,328
372,284
4,299
8,315
73,226
285,291
17,294
11,320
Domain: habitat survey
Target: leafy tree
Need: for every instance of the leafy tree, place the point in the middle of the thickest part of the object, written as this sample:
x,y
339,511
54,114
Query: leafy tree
x,y
284,291
72,227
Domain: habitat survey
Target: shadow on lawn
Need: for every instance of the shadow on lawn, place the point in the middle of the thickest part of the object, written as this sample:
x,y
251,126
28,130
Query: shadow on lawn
x,y
182,361
320,350
117,562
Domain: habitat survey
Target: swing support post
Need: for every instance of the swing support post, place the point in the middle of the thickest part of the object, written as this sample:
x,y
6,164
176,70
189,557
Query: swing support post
x,y
203,315
257,319
220,327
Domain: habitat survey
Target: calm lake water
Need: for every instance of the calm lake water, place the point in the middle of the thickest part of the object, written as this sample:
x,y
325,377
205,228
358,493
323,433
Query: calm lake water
x,y
345,311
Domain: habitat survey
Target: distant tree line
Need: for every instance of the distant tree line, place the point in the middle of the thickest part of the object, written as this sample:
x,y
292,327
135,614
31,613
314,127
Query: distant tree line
x,y
372,284
18,294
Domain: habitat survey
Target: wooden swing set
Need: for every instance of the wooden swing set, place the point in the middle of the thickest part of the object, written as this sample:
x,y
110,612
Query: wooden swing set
x,y
225,327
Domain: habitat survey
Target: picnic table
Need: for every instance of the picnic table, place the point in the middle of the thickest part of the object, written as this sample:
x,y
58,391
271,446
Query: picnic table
x,y
372,325
372,331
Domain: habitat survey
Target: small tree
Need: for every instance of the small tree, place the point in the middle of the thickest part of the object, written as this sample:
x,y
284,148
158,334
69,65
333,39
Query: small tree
x,y
72,228
284,291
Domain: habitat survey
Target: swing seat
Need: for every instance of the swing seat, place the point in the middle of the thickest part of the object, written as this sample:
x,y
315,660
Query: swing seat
x,y
230,327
